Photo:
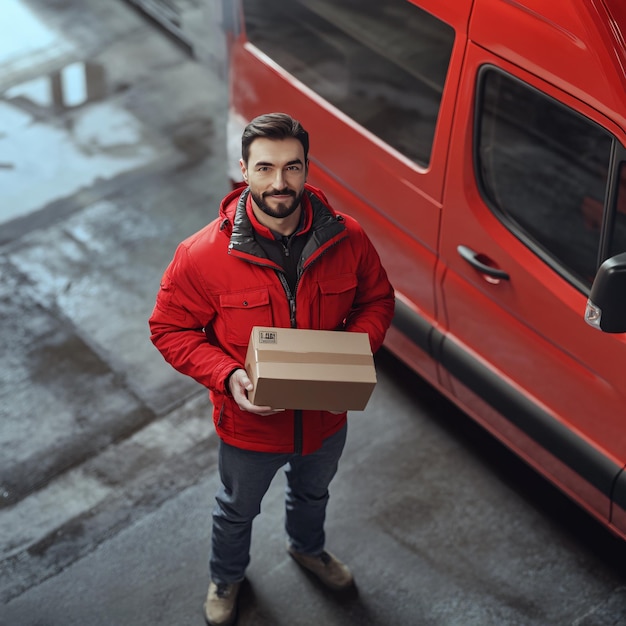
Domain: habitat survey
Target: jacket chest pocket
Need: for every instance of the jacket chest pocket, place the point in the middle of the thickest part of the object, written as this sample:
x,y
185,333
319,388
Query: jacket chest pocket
x,y
336,300
243,310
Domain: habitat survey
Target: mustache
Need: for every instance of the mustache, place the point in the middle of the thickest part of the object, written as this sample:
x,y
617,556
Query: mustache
x,y
282,192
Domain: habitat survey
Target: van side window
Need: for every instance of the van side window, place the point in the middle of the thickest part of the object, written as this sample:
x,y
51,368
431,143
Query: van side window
x,y
383,64
543,169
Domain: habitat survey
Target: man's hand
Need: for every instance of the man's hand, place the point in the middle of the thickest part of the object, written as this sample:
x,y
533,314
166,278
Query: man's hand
x,y
239,385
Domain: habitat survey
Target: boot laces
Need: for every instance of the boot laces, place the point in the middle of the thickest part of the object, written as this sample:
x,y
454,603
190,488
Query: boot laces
x,y
223,590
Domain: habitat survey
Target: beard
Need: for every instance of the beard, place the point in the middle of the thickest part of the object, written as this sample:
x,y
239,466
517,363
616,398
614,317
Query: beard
x,y
283,209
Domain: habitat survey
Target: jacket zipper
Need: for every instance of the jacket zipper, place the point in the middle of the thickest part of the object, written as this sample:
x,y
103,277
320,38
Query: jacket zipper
x,y
297,414
291,299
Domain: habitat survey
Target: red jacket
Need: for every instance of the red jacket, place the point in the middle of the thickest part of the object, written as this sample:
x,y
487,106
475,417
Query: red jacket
x,y
220,284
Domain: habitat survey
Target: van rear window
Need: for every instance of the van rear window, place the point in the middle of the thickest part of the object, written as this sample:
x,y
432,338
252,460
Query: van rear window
x,y
383,64
543,169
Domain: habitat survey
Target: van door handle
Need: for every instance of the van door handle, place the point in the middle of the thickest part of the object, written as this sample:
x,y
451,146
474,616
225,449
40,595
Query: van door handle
x,y
474,260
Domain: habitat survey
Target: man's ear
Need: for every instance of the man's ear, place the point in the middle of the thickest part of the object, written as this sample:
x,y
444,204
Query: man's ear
x,y
244,170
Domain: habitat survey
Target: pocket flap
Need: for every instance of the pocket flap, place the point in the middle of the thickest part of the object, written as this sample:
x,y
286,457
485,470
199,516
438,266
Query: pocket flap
x,y
339,284
245,300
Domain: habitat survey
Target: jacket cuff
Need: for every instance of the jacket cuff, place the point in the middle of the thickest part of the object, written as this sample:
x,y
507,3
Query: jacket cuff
x,y
227,381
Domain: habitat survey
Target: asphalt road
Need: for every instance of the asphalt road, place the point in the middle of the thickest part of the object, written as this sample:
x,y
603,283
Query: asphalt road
x,y
107,471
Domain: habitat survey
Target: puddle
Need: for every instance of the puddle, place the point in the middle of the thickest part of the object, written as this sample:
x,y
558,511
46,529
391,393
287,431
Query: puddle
x,y
25,40
70,87
44,156
41,162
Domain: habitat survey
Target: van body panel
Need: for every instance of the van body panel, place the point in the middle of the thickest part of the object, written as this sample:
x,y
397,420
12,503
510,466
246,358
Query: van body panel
x,y
397,201
362,180
500,333
577,45
528,329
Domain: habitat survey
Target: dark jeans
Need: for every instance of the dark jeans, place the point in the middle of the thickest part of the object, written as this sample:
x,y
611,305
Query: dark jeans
x,y
246,477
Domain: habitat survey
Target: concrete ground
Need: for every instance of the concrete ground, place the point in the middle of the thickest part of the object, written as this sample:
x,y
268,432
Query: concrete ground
x,y
112,150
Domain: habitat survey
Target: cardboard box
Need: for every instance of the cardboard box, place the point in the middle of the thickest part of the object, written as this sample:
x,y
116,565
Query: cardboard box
x,y
293,368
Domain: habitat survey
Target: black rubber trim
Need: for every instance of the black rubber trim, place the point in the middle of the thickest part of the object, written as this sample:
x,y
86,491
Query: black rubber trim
x,y
619,493
543,428
413,326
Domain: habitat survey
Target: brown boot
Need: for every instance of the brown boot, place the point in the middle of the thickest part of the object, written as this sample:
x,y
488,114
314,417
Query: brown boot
x,y
326,566
220,608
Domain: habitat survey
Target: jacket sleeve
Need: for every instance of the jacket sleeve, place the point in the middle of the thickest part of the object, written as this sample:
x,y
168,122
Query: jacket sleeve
x,y
374,303
180,325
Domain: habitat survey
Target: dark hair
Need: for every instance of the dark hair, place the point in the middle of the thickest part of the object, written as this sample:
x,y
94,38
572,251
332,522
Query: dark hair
x,y
273,126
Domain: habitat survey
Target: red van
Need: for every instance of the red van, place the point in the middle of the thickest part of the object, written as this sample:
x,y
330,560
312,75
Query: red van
x,y
482,145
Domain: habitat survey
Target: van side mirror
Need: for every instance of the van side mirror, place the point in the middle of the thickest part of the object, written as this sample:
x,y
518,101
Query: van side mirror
x,y
606,306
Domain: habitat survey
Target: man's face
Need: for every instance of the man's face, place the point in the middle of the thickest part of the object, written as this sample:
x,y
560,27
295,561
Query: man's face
x,y
276,173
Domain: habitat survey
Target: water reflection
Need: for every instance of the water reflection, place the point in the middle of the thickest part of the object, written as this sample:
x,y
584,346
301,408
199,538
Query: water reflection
x,y
25,40
72,86
58,134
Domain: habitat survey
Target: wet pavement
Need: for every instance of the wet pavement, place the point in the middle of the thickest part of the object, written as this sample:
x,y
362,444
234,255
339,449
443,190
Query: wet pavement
x,y
112,150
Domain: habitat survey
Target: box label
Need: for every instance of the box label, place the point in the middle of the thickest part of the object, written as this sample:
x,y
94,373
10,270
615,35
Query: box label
x,y
268,336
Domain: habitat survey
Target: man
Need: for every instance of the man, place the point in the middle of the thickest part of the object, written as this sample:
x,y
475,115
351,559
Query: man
x,y
278,255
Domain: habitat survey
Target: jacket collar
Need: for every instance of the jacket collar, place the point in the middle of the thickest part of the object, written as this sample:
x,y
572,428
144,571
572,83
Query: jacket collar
x,y
321,219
